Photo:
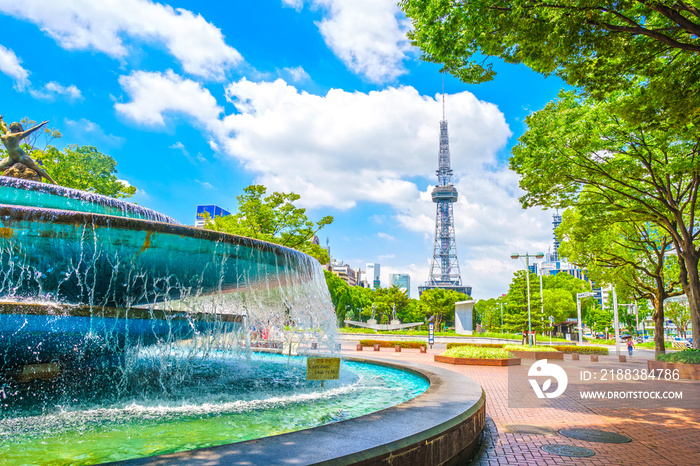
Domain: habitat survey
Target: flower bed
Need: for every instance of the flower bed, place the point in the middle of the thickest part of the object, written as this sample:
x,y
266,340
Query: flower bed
x,y
393,343
474,355
534,352
479,345
688,356
568,349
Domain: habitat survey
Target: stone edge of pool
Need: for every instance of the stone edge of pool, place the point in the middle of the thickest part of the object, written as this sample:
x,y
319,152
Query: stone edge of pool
x,y
440,426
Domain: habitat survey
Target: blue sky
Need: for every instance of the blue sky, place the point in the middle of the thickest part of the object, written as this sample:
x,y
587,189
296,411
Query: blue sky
x,y
326,98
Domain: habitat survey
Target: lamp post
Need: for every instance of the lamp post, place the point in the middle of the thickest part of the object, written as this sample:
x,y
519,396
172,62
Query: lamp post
x,y
527,257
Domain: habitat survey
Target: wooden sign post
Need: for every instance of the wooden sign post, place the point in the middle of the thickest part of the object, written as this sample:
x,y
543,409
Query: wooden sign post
x,y
322,369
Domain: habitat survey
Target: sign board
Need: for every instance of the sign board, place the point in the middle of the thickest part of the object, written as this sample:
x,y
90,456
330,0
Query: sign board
x,y
322,368
431,336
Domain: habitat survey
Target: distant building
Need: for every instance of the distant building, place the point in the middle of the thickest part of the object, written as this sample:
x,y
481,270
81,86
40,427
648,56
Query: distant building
x,y
403,281
345,272
212,210
372,276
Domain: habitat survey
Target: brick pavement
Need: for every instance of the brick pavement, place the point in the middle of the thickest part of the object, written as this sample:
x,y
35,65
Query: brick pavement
x,y
660,436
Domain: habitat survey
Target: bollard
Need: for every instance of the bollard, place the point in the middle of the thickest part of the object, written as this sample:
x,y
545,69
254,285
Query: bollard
x,y
423,349
574,357
359,347
594,358
622,358
314,345
397,348
376,347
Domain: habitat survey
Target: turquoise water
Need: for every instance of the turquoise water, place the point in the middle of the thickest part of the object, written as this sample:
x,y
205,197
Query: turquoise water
x,y
225,400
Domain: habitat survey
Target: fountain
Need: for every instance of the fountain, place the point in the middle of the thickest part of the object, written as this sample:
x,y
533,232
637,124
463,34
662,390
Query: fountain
x,y
126,335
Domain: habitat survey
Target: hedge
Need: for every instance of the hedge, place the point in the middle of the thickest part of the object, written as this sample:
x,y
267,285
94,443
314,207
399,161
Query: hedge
x,y
687,356
535,348
479,345
391,344
581,349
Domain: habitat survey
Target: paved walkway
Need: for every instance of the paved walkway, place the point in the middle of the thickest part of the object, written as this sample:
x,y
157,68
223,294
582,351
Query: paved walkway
x,y
660,435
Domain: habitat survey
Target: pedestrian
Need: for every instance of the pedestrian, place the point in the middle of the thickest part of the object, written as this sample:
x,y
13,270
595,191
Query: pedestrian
x,y
630,346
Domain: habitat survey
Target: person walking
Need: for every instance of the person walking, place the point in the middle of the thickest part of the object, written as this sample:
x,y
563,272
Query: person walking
x,y
630,346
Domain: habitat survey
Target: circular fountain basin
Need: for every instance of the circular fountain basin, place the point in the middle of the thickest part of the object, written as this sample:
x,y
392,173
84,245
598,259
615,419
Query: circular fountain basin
x,y
269,396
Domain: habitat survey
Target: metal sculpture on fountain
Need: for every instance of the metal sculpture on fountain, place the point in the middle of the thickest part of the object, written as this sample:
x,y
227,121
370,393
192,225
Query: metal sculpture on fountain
x,y
11,138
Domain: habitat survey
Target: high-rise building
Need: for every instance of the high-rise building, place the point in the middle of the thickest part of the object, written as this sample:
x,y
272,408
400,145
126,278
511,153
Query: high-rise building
x,y
372,276
403,281
444,269
213,211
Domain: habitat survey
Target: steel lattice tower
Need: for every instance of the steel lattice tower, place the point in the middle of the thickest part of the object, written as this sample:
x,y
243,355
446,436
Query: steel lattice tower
x,y
444,269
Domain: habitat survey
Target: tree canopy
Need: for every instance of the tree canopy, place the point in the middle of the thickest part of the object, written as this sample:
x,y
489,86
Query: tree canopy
x,y
273,218
577,152
600,46
441,303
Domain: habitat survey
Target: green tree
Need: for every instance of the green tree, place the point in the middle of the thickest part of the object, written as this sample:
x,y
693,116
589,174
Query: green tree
x,y
580,153
441,303
273,218
601,46
488,314
679,313
628,255
388,299
84,168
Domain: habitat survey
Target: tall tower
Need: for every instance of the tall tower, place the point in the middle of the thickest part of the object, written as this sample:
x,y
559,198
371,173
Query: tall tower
x,y
444,269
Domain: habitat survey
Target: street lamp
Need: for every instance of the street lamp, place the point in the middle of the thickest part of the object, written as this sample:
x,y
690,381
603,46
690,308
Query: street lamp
x,y
527,257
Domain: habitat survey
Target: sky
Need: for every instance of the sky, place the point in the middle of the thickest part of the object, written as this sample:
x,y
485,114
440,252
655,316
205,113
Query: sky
x,y
325,98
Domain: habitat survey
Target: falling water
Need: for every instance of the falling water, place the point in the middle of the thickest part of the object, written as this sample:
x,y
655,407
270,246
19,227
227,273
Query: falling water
x,y
116,319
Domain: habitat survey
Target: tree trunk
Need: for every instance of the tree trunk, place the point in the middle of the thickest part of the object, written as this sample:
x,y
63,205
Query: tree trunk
x,y
658,316
690,281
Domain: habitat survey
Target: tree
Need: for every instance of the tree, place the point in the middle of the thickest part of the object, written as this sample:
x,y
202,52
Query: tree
x,y
440,302
629,255
679,313
388,299
273,218
488,314
600,46
84,168
581,153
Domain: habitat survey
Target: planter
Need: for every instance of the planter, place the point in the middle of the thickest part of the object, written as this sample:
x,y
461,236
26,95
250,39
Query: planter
x,y
423,349
477,361
574,357
359,347
376,347
397,348
594,358
538,354
622,358
686,371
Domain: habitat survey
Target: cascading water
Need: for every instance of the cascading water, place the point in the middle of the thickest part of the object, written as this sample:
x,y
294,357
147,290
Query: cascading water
x,y
115,319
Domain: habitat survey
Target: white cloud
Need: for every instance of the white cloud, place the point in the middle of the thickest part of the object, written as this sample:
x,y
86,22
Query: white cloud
x,y
10,65
386,236
296,4
342,148
295,74
205,184
53,89
91,133
104,25
154,94
334,150
369,36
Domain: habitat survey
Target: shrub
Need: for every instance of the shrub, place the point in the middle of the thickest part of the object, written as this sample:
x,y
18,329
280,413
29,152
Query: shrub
x,y
581,349
687,356
479,345
391,344
528,348
475,352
